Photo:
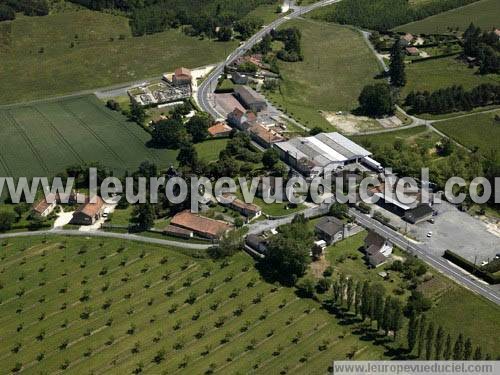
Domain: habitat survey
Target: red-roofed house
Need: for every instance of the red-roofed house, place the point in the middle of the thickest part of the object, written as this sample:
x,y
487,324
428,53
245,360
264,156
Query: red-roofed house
x,y
200,225
182,76
219,130
264,136
412,51
241,120
45,206
88,213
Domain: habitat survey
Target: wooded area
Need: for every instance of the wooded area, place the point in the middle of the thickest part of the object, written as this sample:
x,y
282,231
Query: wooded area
x,y
386,14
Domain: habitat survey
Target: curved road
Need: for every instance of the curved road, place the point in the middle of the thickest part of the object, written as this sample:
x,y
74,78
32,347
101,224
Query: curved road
x,y
122,236
207,88
205,99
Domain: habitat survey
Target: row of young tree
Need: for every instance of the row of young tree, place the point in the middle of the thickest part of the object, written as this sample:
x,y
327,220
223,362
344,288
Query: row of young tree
x,y
453,99
484,47
384,15
435,344
8,8
369,301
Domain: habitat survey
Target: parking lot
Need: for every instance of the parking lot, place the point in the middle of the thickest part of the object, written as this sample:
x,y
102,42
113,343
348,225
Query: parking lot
x,y
459,232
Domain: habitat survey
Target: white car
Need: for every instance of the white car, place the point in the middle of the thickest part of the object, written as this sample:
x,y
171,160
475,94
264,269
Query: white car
x,y
429,234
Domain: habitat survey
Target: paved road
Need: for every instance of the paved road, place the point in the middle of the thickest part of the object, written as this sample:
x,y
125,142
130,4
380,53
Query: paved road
x,y
423,253
122,236
207,88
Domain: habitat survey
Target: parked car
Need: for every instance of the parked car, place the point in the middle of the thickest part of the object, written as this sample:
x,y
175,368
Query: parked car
x,y
429,234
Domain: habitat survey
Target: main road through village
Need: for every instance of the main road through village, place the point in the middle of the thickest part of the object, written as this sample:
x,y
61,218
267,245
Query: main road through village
x,y
205,100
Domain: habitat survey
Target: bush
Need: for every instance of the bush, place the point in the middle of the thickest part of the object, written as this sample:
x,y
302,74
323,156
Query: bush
x,y
6,13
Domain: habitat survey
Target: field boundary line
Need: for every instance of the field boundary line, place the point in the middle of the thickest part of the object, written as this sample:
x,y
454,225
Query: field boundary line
x,y
92,132
59,135
130,132
2,160
30,144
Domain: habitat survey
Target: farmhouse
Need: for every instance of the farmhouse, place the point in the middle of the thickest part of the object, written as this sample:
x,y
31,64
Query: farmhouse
x,y
242,120
88,213
171,230
407,39
264,136
202,226
45,206
246,209
219,130
412,51
330,230
312,155
377,249
250,98
181,77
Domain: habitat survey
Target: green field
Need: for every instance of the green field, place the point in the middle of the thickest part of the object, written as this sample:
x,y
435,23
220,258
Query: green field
x,y
80,50
441,73
337,65
43,139
484,14
448,297
84,304
411,135
478,130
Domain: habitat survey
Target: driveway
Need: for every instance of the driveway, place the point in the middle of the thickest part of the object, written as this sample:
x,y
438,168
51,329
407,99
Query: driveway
x,y
63,218
459,232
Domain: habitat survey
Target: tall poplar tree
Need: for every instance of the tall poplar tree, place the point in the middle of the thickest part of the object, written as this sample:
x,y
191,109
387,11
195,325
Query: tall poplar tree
x,y
458,348
397,66
421,335
438,344
412,331
429,339
447,348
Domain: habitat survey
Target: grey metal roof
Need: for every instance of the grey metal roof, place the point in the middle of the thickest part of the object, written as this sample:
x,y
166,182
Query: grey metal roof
x,y
343,145
248,95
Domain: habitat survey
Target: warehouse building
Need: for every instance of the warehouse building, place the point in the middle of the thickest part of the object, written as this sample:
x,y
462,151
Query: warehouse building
x,y
250,99
310,156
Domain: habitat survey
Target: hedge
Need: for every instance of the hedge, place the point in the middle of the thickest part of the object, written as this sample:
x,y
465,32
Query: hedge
x,y
471,267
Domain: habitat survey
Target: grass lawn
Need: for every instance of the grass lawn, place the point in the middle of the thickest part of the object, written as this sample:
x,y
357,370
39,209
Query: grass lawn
x,y
337,65
441,73
347,258
45,138
478,317
265,12
484,14
408,135
84,304
80,50
121,216
210,149
478,130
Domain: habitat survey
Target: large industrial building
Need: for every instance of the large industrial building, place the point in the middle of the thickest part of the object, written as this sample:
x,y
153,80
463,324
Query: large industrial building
x,y
310,156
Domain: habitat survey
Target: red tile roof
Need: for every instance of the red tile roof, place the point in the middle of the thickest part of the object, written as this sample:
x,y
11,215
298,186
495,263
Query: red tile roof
x,y
182,72
41,206
268,136
199,224
91,209
219,128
